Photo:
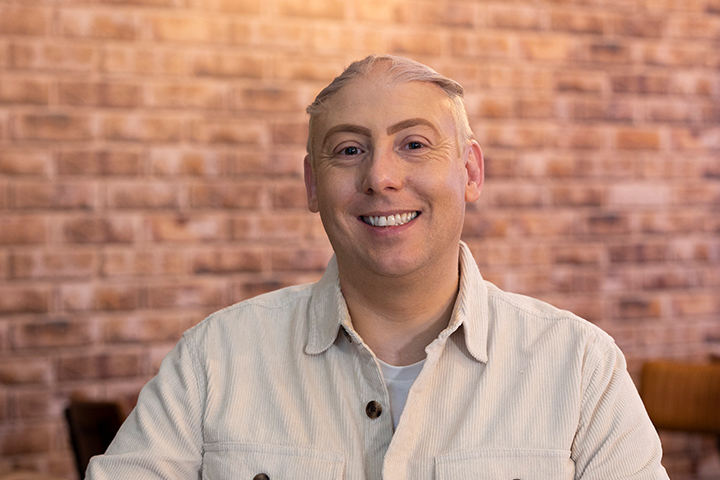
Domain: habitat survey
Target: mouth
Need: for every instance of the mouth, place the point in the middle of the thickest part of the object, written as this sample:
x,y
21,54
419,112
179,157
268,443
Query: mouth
x,y
390,220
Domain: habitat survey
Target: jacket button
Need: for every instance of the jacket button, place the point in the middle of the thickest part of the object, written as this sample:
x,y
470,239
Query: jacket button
x,y
373,409
261,476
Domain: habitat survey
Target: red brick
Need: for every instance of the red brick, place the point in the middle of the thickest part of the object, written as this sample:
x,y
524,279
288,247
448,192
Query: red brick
x,y
54,56
315,259
638,139
145,195
486,225
93,229
187,294
515,195
25,371
99,366
295,133
291,226
54,127
24,91
607,224
197,228
188,95
226,6
88,24
583,254
140,127
25,439
515,17
22,20
23,229
131,263
580,137
267,99
182,161
143,3
481,45
227,64
577,195
581,22
634,307
640,83
124,59
84,297
145,328
90,94
460,15
288,195
645,252
65,264
635,193
413,42
386,11
15,161
548,48
674,55
57,332
228,131
580,81
196,29
55,195
100,162
226,260
328,9
696,303
228,195
608,52
670,280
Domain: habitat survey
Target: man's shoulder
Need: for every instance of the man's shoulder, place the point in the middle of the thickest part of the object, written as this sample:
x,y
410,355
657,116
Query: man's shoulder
x,y
269,310
538,315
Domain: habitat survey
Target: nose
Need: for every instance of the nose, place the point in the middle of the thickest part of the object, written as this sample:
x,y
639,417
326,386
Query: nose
x,y
383,172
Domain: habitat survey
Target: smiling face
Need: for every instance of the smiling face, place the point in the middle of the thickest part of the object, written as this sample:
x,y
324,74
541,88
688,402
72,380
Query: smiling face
x,y
389,178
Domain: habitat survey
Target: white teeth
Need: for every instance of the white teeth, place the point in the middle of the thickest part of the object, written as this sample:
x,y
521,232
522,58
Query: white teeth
x,y
390,220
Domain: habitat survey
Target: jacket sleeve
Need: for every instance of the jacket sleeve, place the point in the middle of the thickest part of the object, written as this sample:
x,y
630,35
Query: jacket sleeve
x,y
162,438
615,437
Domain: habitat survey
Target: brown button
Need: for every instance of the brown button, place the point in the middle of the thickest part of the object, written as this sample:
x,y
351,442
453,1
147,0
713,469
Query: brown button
x,y
373,409
261,476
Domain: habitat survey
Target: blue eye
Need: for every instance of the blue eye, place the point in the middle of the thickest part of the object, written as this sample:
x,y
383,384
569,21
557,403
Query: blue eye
x,y
350,151
414,145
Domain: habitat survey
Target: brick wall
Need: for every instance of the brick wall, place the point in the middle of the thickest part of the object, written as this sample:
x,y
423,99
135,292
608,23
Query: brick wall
x,y
150,173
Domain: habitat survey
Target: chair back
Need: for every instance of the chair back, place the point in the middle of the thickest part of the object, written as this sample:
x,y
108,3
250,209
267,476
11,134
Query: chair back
x,y
682,396
92,427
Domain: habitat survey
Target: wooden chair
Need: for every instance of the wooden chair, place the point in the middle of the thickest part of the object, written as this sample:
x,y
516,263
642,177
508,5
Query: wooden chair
x,y
682,396
92,427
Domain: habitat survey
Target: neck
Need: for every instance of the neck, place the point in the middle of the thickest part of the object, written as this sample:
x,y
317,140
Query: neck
x,y
398,317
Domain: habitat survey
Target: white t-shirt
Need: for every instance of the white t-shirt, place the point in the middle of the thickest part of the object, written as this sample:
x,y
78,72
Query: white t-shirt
x,y
398,381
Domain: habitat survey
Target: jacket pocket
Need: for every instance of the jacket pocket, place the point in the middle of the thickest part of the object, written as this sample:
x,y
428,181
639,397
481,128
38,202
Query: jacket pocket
x,y
506,464
226,461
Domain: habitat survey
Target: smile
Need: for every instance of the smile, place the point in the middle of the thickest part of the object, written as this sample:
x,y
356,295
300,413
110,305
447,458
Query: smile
x,y
390,220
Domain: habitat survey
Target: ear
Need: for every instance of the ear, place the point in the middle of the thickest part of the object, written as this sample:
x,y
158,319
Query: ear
x,y
310,185
475,171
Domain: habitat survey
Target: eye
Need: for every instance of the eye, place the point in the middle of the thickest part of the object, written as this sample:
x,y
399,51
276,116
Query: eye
x,y
349,151
414,145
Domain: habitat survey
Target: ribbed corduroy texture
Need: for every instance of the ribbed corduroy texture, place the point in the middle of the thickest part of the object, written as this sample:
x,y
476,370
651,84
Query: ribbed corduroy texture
x,y
513,388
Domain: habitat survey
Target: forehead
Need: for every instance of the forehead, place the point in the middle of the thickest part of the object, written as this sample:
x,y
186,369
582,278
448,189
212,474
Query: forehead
x,y
376,101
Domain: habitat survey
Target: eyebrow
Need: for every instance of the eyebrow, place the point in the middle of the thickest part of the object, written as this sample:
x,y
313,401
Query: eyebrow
x,y
347,128
411,122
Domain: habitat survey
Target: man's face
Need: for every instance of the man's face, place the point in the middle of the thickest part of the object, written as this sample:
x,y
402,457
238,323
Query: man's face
x,y
388,177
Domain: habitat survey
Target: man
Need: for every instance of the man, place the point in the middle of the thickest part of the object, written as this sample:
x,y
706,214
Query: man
x,y
401,362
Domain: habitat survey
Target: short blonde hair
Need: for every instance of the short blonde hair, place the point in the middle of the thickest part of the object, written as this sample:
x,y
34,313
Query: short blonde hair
x,y
400,70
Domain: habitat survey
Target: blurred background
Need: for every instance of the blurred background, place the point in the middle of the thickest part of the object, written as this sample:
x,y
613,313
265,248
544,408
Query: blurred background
x,y
151,173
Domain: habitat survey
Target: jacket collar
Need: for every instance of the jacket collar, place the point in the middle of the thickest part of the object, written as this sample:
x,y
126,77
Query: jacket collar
x,y
327,310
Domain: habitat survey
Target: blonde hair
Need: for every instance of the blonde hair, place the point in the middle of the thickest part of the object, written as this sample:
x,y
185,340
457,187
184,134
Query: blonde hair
x,y
400,70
